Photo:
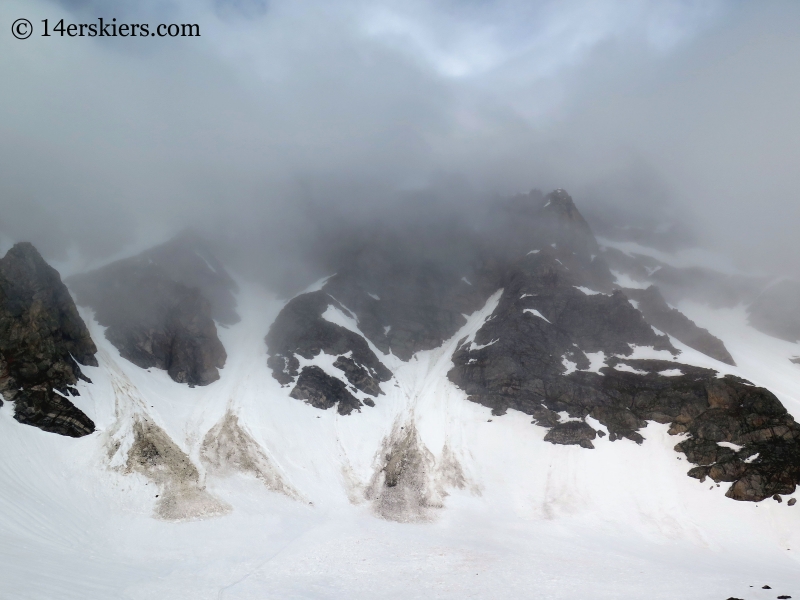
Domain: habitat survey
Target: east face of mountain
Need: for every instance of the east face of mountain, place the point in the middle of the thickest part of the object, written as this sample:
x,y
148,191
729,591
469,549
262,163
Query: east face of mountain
x,y
42,341
559,310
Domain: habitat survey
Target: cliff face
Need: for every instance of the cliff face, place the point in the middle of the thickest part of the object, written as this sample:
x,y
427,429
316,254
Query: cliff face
x,y
533,355
559,345
42,341
157,311
301,330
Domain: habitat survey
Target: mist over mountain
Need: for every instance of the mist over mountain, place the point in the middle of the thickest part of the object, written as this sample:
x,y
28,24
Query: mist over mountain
x,y
491,299
283,116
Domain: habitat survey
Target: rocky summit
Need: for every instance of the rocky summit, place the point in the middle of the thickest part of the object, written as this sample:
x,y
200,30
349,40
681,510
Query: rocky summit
x,y
159,308
43,342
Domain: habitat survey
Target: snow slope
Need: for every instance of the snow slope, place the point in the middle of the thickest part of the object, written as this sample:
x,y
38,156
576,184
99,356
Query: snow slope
x,y
509,515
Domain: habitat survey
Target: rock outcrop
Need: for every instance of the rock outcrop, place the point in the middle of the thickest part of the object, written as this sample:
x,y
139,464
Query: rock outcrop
x,y
302,330
157,313
403,303
43,342
543,328
188,260
535,354
321,390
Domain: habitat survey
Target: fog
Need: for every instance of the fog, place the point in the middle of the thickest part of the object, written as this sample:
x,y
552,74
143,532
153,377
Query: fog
x,y
287,124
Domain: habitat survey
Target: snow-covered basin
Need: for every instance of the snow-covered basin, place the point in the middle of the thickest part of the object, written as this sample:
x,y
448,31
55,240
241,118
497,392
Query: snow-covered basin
x,y
534,521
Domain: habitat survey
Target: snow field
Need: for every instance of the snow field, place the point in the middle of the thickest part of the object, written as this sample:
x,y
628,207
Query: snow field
x,y
532,520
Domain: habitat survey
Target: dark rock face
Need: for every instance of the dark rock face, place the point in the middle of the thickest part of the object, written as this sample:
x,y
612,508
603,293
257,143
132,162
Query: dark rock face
x,y
153,319
776,311
358,376
560,340
187,260
572,432
531,355
403,307
300,329
519,363
540,322
320,390
42,340
535,222
669,320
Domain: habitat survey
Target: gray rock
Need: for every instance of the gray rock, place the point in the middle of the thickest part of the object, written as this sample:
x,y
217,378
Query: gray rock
x,y
320,390
403,303
301,330
42,340
542,321
153,319
187,259
577,433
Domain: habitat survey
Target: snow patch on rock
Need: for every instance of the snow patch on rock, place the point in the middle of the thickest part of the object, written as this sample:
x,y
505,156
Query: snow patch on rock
x,y
536,313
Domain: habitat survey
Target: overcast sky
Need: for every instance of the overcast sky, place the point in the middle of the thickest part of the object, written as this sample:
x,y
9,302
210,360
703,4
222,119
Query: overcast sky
x,y
282,107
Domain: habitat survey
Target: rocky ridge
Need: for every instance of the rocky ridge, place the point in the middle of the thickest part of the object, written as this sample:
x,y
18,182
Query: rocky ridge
x,y
700,284
772,306
43,342
660,315
560,346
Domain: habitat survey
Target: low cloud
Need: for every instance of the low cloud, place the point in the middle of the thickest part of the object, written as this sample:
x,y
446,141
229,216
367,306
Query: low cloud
x,y
286,120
